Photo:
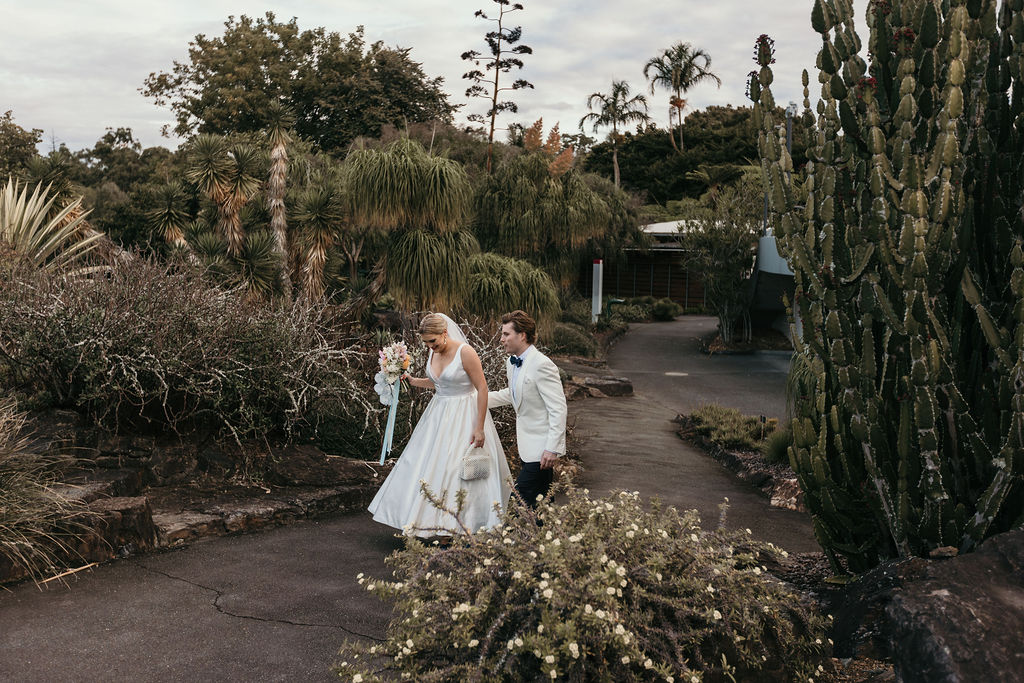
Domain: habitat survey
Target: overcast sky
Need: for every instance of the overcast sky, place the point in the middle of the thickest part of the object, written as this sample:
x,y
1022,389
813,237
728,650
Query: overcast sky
x,y
74,67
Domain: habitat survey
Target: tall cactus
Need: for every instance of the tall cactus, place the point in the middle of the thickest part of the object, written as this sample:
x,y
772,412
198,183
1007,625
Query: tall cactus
x,y
905,234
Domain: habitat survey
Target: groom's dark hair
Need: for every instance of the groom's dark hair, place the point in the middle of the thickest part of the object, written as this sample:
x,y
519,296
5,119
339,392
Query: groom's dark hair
x,y
523,323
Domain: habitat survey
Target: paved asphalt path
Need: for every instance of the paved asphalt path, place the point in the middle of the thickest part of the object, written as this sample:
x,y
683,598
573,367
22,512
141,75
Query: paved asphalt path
x,y
631,443
275,605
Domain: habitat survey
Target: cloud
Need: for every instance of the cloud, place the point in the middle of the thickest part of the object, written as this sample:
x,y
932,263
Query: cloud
x,y
74,68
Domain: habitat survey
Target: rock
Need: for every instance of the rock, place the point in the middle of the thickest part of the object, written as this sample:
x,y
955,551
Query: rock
x,y
175,528
119,526
963,620
170,464
574,391
610,386
247,515
309,466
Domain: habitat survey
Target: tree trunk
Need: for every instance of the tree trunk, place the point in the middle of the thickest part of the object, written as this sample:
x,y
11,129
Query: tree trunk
x,y
278,220
615,164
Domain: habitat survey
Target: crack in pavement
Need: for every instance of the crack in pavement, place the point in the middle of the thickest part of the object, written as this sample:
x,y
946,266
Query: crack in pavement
x,y
219,594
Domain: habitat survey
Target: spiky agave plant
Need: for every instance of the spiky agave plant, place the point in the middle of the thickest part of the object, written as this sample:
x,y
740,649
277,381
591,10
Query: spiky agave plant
x,y
43,236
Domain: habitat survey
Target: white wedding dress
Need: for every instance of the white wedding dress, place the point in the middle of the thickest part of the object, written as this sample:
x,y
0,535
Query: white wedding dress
x,y
434,455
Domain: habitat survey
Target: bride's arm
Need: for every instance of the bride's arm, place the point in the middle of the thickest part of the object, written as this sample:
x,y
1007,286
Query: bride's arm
x,y
475,370
420,382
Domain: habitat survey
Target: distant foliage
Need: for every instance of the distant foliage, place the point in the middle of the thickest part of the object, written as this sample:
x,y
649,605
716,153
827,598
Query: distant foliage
x,y
607,589
729,428
571,340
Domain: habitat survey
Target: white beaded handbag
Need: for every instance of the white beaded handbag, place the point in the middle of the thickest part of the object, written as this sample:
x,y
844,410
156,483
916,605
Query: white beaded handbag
x,y
476,463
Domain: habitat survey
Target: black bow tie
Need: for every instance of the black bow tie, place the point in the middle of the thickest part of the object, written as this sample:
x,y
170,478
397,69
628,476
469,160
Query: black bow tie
x,y
516,361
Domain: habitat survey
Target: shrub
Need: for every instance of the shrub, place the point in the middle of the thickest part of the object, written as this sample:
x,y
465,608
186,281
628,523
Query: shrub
x,y
727,427
157,345
570,340
775,447
32,512
665,309
576,311
606,589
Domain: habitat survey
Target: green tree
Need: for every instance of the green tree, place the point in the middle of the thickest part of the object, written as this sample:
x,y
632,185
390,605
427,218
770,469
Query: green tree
x,y
17,145
532,209
678,69
616,109
501,44
337,88
422,202
720,243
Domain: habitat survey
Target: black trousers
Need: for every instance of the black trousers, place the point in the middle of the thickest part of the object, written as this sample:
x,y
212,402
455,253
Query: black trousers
x,y
533,481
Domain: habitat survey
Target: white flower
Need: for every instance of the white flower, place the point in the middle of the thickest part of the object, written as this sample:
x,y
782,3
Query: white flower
x,y
473,643
517,574
604,559
409,642
540,628
710,588
556,542
548,593
519,642
648,664
693,537
358,678
609,590
621,571
574,650
619,629
749,532
543,584
554,674
371,587
630,534
406,651
545,575
550,659
625,660
622,583
717,615
587,608
599,614
658,576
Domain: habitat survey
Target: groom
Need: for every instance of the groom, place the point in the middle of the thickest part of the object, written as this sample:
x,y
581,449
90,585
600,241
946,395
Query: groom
x,y
535,391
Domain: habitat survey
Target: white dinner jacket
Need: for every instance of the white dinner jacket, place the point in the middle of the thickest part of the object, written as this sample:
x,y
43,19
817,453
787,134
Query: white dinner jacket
x,y
539,404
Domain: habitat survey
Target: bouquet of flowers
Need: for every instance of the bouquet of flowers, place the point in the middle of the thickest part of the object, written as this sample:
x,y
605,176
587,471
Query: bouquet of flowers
x,y
394,361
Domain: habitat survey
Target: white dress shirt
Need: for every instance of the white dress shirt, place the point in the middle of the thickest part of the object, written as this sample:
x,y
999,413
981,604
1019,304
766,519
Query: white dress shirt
x,y
516,369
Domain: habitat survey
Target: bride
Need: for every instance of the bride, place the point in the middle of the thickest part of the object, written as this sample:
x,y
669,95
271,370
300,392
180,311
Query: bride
x,y
455,419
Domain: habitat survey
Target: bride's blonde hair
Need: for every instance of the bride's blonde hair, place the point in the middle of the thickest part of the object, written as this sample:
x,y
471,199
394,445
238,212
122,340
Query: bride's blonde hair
x,y
432,323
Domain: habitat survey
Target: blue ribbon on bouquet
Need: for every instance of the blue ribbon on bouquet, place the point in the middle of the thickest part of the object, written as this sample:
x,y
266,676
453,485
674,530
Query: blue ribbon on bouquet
x,y
389,431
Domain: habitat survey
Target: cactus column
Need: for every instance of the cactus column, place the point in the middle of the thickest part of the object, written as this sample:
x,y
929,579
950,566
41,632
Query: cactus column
x,y
904,231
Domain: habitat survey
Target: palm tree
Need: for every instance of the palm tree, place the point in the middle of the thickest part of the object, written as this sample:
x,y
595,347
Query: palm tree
x,y
615,109
319,212
280,123
228,175
678,69
169,217
422,202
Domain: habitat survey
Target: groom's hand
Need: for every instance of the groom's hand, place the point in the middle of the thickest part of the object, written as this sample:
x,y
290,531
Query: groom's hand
x,y
548,460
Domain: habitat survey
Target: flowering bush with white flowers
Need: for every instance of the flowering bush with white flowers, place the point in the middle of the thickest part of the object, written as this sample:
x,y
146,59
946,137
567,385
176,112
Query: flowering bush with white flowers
x,y
601,589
